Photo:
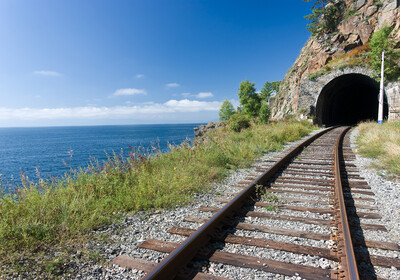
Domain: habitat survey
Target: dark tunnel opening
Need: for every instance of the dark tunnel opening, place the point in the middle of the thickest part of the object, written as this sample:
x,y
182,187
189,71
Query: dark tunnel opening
x,y
349,99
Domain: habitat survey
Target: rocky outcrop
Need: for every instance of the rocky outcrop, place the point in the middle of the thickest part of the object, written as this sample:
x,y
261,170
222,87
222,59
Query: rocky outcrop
x,y
204,129
364,17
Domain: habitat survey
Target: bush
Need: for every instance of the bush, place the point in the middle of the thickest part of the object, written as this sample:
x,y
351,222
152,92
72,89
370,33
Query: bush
x,y
237,122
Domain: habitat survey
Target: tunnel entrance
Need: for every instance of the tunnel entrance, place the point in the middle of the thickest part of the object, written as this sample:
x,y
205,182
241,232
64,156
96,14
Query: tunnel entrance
x,y
349,99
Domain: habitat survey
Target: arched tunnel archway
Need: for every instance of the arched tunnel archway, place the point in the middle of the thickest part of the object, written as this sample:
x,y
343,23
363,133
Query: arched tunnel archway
x,y
349,99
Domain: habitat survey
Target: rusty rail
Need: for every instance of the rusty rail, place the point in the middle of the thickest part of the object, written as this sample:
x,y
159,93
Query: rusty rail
x,y
181,256
348,259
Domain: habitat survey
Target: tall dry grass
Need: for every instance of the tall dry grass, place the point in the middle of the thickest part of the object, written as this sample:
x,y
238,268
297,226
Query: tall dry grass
x,y
381,142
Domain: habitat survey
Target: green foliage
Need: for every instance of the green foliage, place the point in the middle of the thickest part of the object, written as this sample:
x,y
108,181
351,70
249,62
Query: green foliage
x,y
320,73
238,121
268,89
350,13
324,17
381,41
264,112
249,99
272,208
226,110
270,197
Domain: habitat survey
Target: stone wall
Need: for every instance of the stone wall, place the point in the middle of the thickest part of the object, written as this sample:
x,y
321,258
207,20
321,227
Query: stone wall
x,y
309,90
393,94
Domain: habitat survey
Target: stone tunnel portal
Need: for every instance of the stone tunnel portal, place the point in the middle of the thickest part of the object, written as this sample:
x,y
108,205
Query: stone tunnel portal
x,y
349,99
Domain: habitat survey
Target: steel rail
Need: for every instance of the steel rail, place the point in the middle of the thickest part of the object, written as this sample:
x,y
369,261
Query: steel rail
x,y
348,259
169,267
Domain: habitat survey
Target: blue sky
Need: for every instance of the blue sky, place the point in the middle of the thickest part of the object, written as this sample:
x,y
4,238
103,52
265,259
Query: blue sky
x,y
94,62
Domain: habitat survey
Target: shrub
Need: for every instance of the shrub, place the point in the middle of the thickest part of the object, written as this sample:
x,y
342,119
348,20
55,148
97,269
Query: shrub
x,y
237,122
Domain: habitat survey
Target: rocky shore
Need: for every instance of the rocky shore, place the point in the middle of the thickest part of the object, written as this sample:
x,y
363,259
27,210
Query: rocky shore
x,y
205,128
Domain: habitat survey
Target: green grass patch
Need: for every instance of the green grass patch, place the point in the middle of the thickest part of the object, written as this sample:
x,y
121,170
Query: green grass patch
x,y
270,197
272,208
381,142
39,216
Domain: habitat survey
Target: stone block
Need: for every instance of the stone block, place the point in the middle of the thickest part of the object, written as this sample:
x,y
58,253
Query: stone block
x,y
358,4
370,11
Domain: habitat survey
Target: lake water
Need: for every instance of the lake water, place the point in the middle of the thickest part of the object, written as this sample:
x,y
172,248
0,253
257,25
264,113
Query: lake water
x,y
53,150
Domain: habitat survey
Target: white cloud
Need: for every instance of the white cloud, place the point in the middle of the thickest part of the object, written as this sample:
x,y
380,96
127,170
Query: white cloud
x,y
139,76
186,105
47,73
146,110
172,85
200,95
129,91
204,95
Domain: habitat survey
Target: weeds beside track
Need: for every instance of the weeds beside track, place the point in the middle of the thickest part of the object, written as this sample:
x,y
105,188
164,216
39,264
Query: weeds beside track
x,y
53,213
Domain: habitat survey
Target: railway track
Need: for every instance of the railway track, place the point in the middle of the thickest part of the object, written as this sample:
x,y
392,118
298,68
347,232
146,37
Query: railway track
x,y
318,209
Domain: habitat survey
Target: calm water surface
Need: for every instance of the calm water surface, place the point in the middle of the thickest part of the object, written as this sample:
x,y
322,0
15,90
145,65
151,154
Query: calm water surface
x,y
53,150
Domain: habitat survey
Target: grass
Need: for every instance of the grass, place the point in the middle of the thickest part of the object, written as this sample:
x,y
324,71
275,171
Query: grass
x,y
355,57
381,142
57,213
270,197
272,208
273,199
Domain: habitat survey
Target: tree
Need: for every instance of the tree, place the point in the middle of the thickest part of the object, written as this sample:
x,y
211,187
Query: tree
x,y
324,17
226,110
264,112
381,41
268,89
249,99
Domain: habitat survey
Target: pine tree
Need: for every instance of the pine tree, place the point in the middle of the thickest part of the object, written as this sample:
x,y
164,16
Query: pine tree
x,y
324,17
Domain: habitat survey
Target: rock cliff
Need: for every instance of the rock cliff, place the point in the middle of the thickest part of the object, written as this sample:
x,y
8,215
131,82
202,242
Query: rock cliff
x,y
330,55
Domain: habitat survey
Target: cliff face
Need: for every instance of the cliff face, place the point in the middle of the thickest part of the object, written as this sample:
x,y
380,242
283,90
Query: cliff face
x,y
329,53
